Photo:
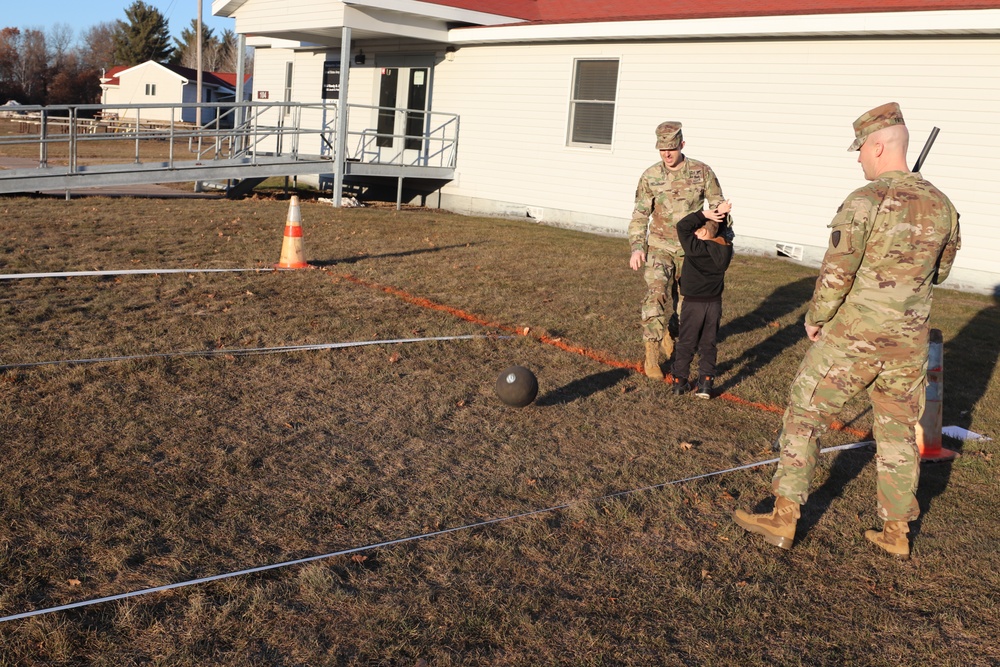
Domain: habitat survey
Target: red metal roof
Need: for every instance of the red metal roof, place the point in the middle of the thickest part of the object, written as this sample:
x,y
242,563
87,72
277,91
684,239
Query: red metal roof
x,y
229,77
576,11
110,77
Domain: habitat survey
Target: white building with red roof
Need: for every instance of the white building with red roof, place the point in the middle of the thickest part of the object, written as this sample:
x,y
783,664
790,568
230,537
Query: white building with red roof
x,y
558,100
152,83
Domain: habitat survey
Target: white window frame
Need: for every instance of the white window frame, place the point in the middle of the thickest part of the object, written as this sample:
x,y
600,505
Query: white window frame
x,y
575,103
150,89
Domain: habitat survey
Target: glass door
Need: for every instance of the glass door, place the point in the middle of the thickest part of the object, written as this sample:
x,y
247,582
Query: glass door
x,y
402,98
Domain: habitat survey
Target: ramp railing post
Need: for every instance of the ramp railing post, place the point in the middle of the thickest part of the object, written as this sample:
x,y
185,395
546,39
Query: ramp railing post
x,y
339,160
137,135
43,145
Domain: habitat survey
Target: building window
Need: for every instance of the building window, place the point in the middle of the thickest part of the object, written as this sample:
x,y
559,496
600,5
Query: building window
x,y
151,89
288,87
592,109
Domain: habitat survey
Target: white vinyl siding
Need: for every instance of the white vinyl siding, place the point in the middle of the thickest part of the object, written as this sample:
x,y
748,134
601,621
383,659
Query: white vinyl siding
x,y
268,16
141,82
307,87
772,118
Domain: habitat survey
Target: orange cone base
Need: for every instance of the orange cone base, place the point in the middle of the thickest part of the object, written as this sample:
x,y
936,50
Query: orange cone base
x,y
937,455
294,265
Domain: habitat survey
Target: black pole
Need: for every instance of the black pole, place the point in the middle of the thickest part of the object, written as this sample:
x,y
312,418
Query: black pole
x,y
927,149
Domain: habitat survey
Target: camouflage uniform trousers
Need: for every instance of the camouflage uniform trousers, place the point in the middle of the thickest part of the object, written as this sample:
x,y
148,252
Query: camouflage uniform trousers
x,y
662,269
827,379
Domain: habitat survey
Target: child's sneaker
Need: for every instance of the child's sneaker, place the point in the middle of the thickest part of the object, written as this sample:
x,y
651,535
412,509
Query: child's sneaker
x,y
680,386
704,387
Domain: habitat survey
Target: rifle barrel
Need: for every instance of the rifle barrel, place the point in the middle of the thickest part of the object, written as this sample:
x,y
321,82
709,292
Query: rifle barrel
x,y
927,149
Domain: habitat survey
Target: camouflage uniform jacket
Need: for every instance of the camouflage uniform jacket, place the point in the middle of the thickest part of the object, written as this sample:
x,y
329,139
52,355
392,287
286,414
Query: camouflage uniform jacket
x,y
890,241
666,197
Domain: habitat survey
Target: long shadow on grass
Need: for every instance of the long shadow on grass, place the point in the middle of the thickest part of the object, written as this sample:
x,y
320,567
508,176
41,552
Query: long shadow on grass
x,y
358,258
847,466
584,387
969,360
782,301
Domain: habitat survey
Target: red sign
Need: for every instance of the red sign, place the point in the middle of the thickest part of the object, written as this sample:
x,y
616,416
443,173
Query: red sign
x,y
262,95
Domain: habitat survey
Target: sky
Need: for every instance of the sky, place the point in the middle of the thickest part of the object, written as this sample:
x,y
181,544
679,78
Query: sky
x,y
82,14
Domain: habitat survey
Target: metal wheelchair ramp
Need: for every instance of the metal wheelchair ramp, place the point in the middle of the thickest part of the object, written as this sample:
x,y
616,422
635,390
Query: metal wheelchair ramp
x,y
99,146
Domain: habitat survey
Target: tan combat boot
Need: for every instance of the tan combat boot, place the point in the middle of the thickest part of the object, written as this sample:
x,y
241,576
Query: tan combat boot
x,y
892,538
652,366
778,527
667,345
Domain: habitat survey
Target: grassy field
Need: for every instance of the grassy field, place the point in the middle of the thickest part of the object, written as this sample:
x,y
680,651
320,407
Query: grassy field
x,y
124,475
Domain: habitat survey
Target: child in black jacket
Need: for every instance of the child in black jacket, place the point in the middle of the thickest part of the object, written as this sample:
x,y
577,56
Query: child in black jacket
x,y
707,253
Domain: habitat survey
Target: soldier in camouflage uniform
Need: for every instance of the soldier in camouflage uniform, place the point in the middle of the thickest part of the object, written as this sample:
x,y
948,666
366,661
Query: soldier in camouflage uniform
x,y
669,190
890,242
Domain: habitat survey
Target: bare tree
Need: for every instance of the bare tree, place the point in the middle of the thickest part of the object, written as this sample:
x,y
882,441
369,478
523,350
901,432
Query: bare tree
x,y
24,64
59,38
10,89
74,83
34,65
97,49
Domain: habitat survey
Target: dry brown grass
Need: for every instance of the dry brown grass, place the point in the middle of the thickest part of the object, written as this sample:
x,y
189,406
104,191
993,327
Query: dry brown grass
x,y
126,475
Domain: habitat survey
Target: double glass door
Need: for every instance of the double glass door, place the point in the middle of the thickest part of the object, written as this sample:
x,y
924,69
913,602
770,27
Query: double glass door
x,y
402,100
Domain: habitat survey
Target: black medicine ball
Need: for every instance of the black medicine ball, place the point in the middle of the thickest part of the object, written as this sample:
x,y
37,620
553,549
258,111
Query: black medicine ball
x,y
517,386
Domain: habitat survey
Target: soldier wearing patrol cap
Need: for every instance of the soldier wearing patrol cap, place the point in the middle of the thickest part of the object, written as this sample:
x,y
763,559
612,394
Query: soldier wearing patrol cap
x,y
667,192
890,242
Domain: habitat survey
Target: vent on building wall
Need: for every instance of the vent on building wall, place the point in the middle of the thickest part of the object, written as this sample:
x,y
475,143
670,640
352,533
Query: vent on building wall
x,y
789,250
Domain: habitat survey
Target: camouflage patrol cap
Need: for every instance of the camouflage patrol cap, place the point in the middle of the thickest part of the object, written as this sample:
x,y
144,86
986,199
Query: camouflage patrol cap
x,y
668,135
877,119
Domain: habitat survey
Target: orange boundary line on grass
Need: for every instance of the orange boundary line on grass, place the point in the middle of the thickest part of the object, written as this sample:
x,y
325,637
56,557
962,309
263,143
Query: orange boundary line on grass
x,y
556,342
476,319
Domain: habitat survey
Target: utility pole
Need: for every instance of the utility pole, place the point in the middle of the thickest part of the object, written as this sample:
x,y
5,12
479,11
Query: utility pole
x,y
197,87
197,111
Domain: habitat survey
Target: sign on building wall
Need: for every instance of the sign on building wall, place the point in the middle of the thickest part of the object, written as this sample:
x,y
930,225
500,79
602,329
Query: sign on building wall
x,y
331,80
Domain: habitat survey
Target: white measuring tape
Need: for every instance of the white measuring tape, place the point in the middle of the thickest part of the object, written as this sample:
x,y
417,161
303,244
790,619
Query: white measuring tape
x,y
243,351
403,540
125,272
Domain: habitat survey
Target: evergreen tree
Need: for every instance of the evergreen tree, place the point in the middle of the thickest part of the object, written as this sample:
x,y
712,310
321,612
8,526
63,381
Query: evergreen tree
x,y
186,53
144,37
228,51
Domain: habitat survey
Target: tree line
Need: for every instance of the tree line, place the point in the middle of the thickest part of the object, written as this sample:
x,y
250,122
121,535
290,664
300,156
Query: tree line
x,y
45,67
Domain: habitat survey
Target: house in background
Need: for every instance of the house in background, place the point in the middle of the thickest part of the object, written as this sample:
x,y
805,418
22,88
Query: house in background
x,y
558,100
156,83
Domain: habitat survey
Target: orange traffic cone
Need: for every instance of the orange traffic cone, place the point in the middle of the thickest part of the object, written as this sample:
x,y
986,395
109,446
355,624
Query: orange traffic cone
x,y
292,254
929,426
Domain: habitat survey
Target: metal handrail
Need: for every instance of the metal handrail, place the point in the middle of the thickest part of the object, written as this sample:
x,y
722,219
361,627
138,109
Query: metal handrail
x,y
235,132
443,133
